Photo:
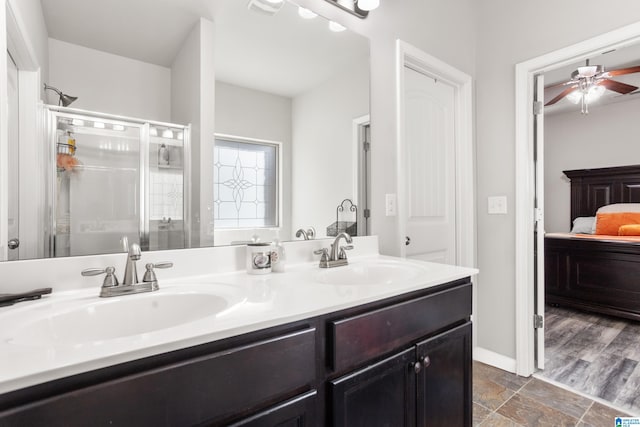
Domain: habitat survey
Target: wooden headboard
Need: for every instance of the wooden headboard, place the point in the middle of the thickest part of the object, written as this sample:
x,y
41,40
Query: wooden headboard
x,y
593,188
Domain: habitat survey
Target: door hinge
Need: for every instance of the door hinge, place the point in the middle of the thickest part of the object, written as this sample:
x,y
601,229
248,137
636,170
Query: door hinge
x,y
538,214
367,146
537,107
538,321
367,213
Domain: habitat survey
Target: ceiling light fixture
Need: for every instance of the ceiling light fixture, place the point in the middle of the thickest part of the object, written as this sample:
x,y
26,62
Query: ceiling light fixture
x,y
368,5
266,7
306,13
359,8
590,82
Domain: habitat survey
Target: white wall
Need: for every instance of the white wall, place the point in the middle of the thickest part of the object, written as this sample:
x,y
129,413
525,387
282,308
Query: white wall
x,y
323,160
192,102
444,29
250,113
109,83
607,136
508,33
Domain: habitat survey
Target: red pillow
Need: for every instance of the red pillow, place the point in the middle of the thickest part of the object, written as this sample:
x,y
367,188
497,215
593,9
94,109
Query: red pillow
x,y
609,223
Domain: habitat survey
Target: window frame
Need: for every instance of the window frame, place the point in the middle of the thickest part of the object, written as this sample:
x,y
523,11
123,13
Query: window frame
x,y
278,184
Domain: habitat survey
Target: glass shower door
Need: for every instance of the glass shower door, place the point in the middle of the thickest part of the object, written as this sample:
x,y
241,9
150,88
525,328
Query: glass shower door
x,y
166,196
98,195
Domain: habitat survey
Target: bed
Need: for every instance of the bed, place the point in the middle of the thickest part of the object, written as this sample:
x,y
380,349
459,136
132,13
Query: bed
x,y
595,272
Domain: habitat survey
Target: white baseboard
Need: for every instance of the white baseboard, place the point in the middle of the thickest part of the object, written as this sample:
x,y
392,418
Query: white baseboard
x,y
492,358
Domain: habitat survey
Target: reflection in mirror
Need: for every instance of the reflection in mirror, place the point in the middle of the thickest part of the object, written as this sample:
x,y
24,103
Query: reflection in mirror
x,y
286,80
291,96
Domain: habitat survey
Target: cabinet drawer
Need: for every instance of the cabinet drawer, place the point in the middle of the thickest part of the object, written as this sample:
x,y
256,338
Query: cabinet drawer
x,y
203,389
297,412
355,340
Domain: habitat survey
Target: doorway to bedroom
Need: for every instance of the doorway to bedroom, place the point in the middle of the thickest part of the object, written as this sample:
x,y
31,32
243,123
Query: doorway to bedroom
x,y
589,158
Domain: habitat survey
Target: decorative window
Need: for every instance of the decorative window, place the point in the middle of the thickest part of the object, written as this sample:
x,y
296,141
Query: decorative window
x,y
245,183
166,194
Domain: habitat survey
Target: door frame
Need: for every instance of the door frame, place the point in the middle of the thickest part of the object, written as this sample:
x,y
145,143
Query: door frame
x,y
361,180
525,186
409,55
15,41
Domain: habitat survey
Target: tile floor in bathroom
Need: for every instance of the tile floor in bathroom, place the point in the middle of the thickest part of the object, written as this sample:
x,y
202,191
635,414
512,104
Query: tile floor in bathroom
x,y
501,398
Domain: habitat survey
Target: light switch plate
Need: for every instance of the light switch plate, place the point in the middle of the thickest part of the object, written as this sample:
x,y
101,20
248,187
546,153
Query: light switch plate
x,y
391,205
497,205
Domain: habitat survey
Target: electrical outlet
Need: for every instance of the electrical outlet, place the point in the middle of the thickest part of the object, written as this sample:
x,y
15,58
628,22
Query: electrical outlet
x,y
497,205
391,208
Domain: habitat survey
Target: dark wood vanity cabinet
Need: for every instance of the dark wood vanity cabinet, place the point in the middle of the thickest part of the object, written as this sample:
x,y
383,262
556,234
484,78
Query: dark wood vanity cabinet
x,y
402,361
383,394
425,385
297,412
444,394
426,382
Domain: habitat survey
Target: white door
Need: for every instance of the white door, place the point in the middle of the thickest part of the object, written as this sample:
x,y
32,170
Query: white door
x,y
429,196
539,219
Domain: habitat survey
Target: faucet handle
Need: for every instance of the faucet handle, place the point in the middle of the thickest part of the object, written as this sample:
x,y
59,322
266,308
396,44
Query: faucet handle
x,y
324,252
110,280
163,264
150,275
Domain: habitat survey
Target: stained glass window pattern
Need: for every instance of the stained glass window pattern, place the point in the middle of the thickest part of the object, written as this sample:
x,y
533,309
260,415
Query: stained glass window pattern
x,y
245,184
166,195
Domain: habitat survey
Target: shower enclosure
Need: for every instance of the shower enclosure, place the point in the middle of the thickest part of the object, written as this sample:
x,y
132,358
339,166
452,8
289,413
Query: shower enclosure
x,y
114,176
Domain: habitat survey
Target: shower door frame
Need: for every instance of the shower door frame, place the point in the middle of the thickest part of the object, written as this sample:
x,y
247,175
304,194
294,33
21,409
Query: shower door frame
x,y
53,112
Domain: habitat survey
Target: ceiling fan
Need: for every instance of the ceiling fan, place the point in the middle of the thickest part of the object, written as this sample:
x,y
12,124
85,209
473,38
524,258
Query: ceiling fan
x,y
588,83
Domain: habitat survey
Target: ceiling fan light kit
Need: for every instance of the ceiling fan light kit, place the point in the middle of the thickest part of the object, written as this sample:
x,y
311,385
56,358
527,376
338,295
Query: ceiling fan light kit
x,y
590,82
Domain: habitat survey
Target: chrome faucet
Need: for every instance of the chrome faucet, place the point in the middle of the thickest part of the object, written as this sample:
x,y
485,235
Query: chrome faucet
x,y
308,234
130,284
336,255
130,270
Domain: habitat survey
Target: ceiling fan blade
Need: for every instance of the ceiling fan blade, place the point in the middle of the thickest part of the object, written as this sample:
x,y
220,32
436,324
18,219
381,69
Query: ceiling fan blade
x,y
555,85
561,95
623,71
619,87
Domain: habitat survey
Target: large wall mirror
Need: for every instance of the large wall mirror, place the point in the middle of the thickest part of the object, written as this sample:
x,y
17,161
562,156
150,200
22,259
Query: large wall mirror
x,y
196,123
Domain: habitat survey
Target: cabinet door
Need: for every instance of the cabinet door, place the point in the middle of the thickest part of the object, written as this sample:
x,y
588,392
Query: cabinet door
x,y
296,412
444,385
380,395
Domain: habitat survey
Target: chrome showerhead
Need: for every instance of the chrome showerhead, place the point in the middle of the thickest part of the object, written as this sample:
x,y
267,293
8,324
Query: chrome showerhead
x,y
64,100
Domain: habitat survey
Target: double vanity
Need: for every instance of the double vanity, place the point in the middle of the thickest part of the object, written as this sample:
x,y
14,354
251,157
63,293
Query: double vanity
x,y
379,341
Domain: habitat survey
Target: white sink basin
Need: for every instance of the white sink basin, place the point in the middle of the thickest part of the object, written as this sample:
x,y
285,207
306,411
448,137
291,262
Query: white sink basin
x,y
93,320
378,272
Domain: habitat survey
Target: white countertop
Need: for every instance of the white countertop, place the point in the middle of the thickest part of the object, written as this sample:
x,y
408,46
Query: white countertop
x,y
253,303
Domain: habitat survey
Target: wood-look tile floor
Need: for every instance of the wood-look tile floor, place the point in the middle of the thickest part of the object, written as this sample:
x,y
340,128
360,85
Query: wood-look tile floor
x,y
504,399
594,354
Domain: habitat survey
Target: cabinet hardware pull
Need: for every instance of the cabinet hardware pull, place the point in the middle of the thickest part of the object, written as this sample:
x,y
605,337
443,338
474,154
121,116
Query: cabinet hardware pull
x,y
426,361
417,367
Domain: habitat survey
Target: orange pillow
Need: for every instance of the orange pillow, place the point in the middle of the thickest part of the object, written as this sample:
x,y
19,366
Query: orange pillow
x,y
609,223
629,230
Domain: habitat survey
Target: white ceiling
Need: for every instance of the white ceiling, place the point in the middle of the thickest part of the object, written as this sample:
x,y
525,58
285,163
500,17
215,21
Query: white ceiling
x,y
148,30
282,54
620,58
